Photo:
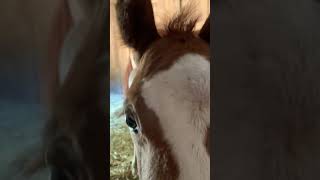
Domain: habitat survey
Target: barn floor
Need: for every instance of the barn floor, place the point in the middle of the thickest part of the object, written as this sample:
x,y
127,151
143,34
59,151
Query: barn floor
x,y
121,148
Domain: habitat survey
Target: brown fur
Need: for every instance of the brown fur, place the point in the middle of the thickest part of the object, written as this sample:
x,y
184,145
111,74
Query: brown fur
x,y
135,19
152,62
74,137
174,46
164,163
78,114
158,54
62,21
183,22
205,31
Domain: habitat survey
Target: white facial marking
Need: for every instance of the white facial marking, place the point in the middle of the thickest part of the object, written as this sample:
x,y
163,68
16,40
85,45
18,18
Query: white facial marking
x,y
131,76
148,166
180,97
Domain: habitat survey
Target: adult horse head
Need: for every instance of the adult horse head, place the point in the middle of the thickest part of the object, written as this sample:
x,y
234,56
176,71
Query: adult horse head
x,y
74,139
75,136
167,105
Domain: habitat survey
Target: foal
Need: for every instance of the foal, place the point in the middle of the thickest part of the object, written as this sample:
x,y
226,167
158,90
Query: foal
x,y
167,105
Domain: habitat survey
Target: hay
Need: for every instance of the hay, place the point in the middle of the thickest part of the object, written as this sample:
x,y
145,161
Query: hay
x,y
121,152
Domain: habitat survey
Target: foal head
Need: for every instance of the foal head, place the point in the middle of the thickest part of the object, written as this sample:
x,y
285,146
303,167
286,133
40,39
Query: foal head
x,y
167,104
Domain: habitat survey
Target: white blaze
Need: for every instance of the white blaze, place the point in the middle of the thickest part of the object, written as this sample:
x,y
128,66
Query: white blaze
x,y
132,76
180,97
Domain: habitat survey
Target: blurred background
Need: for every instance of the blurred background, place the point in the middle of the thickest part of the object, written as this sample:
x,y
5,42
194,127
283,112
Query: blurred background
x,y
23,42
120,141
24,27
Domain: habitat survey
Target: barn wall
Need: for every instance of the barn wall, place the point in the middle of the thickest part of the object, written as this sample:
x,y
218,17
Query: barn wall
x,y
163,9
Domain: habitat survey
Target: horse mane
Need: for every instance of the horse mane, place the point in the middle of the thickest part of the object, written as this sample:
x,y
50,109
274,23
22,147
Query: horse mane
x,y
182,22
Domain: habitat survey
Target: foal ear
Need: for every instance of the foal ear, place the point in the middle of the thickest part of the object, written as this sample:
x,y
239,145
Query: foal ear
x,y
136,22
205,31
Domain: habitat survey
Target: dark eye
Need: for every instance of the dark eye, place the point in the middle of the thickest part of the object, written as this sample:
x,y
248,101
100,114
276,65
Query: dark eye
x,y
131,123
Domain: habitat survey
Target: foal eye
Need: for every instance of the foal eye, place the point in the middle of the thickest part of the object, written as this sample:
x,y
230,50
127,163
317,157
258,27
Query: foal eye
x,y
131,123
